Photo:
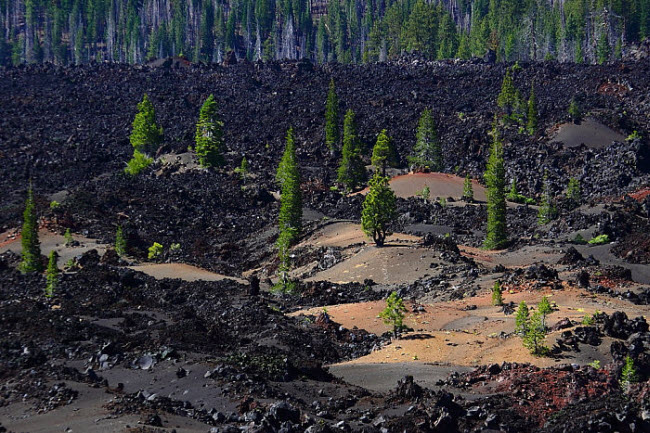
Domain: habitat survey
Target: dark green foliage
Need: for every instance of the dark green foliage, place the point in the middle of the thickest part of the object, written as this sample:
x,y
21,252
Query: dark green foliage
x,y
290,218
547,211
351,172
575,112
496,235
360,31
378,209
531,124
507,99
468,190
51,275
120,242
31,247
497,294
427,152
145,134
393,314
209,145
332,118
382,153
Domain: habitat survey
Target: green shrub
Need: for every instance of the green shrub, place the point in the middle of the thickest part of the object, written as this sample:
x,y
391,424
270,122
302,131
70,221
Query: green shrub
x,y
497,294
137,163
68,238
629,374
633,136
599,240
588,320
54,205
120,242
424,194
393,314
155,251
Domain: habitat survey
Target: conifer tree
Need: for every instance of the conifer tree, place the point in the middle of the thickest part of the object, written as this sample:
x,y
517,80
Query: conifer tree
x,y
427,151
51,275
209,145
378,209
535,335
629,374
382,152
497,294
351,172
547,211
332,117
468,190
393,314
31,247
575,112
290,218
531,124
507,98
544,309
146,135
120,242
522,318
496,235
573,191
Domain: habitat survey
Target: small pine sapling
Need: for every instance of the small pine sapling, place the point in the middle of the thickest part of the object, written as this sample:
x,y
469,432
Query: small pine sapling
x,y
629,374
468,190
544,308
497,294
120,242
522,318
51,275
393,314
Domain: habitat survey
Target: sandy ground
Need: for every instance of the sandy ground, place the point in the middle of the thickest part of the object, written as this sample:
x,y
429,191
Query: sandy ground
x,y
440,185
398,261
445,334
181,271
590,132
50,241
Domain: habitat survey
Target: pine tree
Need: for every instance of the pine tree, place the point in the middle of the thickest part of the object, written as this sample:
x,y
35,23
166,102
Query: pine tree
x,y
51,275
544,309
629,374
535,335
382,152
145,135
547,211
522,318
507,98
332,117
573,192
575,112
393,314
603,49
427,151
496,235
378,210
31,247
290,218
531,125
120,242
468,190
497,294
351,172
209,146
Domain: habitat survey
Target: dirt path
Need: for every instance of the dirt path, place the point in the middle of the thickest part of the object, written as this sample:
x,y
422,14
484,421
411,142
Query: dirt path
x,y
182,271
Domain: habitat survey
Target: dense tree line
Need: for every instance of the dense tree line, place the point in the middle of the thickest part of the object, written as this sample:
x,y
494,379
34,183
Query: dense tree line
x,y
134,31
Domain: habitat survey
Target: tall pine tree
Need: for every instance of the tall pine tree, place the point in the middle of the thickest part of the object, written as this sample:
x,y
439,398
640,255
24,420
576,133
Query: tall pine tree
x,y
496,236
427,152
31,246
332,118
209,146
290,218
351,172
